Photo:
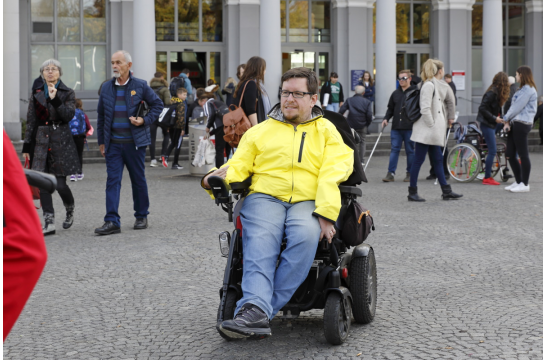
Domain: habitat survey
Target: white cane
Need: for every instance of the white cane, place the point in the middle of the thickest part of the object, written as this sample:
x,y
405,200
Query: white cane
x,y
445,148
374,147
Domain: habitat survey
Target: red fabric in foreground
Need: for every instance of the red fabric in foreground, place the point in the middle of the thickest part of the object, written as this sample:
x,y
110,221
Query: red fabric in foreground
x,y
24,246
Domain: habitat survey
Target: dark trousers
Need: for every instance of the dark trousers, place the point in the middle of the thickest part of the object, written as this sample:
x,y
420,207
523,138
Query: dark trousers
x,y
176,140
221,145
517,143
445,168
117,157
153,130
420,151
64,192
80,143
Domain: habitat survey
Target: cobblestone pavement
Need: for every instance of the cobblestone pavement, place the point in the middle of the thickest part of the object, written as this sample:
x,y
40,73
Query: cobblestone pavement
x,y
456,280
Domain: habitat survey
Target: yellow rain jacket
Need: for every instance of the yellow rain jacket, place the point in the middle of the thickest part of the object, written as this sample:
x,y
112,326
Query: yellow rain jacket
x,y
294,164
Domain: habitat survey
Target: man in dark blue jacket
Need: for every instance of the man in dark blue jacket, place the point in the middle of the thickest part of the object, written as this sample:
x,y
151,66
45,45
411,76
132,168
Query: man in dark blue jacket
x,y
360,116
123,138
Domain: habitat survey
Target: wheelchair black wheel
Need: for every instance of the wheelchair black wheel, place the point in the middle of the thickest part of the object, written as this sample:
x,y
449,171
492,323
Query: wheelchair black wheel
x,y
228,310
336,321
363,287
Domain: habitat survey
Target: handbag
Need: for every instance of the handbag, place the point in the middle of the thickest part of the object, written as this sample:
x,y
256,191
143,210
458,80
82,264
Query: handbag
x,y
357,224
235,122
33,190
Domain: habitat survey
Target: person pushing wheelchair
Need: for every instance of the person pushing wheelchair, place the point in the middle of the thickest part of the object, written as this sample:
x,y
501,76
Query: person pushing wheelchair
x,y
297,159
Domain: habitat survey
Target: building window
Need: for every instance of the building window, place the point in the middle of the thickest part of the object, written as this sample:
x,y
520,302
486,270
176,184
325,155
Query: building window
x,y
412,22
189,20
73,32
305,21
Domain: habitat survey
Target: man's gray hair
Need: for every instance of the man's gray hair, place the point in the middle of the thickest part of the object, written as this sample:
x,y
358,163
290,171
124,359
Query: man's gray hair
x,y
55,62
359,89
511,80
128,57
540,98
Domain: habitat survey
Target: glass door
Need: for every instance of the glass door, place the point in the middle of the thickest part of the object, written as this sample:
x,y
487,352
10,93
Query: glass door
x,y
411,61
315,61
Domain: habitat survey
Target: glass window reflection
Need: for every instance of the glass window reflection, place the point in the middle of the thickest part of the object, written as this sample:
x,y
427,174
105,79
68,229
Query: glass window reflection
x,y
212,20
69,56
94,70
515,15
283,20
477,25
41,15
403,17
188,20
39,54
421,24
321,21
298,18
68,21
164,20
161,62
94,20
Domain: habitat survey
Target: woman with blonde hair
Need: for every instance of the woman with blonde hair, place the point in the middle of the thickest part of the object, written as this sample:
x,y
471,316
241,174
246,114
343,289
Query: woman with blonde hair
x,y
228,91
437,109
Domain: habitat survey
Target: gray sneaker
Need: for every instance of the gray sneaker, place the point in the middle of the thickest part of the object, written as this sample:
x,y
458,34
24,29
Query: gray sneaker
x,y
407,177
153,163
389,177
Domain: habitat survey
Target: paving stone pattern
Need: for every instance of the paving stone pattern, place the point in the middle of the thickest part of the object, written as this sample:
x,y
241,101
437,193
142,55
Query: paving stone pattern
x,y
456,280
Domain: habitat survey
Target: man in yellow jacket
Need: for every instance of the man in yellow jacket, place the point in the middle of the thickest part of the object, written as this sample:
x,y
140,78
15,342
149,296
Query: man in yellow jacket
x,y
297,159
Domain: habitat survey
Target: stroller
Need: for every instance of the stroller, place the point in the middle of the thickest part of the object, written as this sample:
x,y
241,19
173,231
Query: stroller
x,y
342,283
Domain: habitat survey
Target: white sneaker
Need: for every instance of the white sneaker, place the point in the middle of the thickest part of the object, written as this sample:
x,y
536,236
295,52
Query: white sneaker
x,y
153,163
73,178
480,176
521,188
512,186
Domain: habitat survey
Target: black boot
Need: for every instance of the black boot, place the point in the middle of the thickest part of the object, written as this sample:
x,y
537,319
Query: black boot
x,y
69,216
413,194
49,224
448,194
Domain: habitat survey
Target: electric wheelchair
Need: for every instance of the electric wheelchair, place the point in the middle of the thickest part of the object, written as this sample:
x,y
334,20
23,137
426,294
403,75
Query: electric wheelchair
x,y
342,283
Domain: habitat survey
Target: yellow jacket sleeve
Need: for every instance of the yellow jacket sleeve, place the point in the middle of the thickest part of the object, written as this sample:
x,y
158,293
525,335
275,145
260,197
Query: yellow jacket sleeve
x,y
337,166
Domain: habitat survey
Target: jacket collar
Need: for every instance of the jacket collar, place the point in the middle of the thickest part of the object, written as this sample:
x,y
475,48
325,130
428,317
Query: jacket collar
x,y
276,114
39,85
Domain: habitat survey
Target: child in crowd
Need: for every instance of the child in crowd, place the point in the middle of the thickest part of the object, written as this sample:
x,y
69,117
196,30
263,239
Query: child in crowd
x,y
80,134
177,132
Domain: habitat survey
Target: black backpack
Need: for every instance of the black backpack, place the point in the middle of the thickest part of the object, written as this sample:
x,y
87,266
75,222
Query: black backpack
x,y
167,118
411,106
175,83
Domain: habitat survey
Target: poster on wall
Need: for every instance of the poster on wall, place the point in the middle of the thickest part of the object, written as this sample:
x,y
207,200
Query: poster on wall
x,y
355,76
459,79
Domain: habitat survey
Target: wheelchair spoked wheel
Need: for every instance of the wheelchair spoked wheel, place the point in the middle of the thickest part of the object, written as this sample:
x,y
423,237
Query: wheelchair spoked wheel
x,y
336,319
363,287
495,166
464,162
229,310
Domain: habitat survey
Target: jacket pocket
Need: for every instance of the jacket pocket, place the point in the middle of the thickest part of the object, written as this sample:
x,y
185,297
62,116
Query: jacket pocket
x,y
301,147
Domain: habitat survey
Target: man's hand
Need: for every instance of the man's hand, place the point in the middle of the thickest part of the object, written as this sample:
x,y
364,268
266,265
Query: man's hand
x,y
328,229
183,133
384,123
450,122
101,148
136,121
222,173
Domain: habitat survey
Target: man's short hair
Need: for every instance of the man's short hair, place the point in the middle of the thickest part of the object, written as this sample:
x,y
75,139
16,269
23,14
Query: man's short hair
x,y
128,57
303,73
334,75
406,71
448,76
185,71
158,74
359,89
181,90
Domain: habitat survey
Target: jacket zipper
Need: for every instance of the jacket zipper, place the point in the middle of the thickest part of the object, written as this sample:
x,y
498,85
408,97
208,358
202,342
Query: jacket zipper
x,y
301,148
292,179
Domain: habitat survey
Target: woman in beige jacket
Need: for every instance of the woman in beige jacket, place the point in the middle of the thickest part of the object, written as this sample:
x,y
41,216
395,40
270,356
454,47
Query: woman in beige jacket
x,y
437,109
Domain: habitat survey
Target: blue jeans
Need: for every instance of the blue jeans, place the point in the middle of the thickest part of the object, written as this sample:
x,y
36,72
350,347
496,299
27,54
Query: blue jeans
x,y
490,139
420,152
333,107
117,157
397,137
265,220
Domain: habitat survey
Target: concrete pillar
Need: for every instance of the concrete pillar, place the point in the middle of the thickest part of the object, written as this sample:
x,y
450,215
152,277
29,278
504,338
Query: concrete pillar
x,y
534,40
492,40
270,47
11,70
143,55
243,33
385,57
451,40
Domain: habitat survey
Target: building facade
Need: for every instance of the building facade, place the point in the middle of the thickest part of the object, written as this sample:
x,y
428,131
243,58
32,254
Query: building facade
x,y
474,38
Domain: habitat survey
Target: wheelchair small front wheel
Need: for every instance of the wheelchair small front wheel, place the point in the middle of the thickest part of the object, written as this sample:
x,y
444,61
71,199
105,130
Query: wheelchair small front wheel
x,y
336,319
464,162
363,287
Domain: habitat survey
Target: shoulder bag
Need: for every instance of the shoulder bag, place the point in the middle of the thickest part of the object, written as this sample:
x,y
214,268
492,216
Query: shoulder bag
x,y
357,225
235,122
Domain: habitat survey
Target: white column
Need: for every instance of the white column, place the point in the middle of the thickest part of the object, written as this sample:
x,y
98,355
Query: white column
x,y
534,41
385,54
143,55
270,45
11,87
492,40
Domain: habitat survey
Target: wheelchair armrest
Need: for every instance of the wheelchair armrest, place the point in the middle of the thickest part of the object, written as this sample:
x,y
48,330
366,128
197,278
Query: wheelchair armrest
x,y
350,190
41,180
238,187
220,189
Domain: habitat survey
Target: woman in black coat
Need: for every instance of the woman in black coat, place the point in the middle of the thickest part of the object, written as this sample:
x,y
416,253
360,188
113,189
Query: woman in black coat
x,y
255,102
489,116
48,143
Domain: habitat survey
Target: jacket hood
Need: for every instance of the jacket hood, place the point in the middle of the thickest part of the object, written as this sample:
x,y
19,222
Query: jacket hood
x,y
158,82
276,113
182,75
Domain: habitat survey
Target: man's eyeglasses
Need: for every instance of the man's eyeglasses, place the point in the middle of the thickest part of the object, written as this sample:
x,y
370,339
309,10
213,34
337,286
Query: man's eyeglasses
x,y
51,69
403,78
296,94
